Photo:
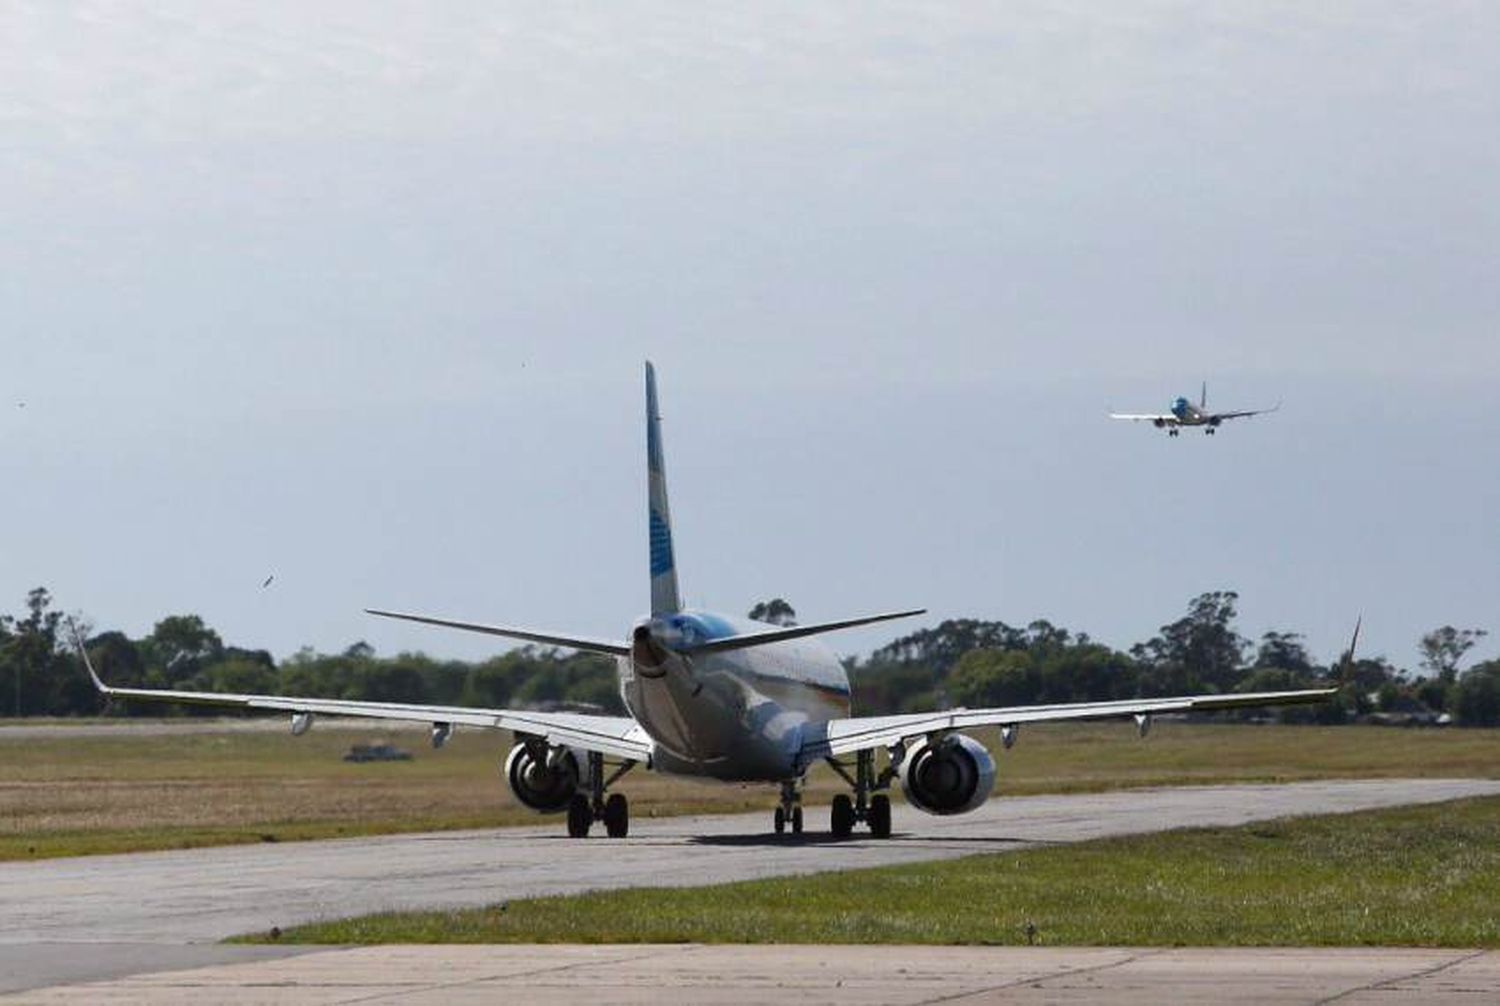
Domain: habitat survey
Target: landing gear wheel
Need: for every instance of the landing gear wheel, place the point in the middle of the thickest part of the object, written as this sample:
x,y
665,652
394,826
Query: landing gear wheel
x,y
797,820
880,816
780,820
580,816
616,816
842,816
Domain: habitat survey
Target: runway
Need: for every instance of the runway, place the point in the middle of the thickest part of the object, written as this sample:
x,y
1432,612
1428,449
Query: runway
x,y
857,976
163,901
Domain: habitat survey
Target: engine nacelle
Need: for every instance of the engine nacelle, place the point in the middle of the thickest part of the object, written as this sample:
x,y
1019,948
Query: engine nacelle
x,y
953,776
544,778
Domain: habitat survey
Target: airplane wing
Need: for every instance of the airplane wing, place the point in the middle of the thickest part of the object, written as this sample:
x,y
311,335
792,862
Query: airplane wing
x,y
1165,418
1243,413
857,733
618,736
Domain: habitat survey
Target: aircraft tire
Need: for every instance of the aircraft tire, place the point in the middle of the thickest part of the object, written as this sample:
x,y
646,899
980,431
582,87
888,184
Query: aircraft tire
x,y
780,820
880,816
617,816
796,820
841,816
580,816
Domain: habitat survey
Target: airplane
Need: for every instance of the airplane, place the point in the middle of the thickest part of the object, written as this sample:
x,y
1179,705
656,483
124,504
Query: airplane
x,y
721,698
1185,413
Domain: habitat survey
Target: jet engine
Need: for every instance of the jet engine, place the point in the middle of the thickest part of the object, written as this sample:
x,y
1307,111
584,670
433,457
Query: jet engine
x,y
952,776
544,777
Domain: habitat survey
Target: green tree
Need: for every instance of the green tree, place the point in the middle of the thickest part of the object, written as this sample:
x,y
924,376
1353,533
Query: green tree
x,y
1200,650
1476,697
775,611
179,647
37,668
1442,649
942,647
1283,650
995,678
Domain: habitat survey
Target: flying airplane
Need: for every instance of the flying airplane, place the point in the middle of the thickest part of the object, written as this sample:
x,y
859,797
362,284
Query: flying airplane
x,y
722,698
1185,413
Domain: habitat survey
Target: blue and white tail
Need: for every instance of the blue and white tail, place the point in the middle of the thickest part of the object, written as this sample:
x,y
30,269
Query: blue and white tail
x,y
665,598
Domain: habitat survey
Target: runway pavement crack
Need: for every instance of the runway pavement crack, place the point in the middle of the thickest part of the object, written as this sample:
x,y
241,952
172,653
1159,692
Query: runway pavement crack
x,y
1413,976
653,951
1038,979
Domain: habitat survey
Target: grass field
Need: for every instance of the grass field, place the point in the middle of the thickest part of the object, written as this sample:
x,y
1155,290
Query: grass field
x,y
1414,876
74,795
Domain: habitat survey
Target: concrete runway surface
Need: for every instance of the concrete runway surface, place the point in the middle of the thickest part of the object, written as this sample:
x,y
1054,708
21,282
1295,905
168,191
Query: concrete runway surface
x,y
97,917
859,976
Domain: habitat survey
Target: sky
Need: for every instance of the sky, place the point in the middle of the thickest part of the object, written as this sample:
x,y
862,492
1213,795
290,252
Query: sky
x,y
356,295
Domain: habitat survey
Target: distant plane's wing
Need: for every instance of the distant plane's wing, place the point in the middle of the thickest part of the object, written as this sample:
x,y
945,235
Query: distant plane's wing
x,y
589,644
1165,417
1243,413
858,733
618,736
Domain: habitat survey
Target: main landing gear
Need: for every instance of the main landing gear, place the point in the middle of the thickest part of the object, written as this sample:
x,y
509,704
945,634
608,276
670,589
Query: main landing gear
x,y
789,811
1173,431
584,810
873,808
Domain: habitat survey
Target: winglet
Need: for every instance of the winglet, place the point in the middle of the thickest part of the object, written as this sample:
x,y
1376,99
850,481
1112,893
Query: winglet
x,y
88,664
1348,660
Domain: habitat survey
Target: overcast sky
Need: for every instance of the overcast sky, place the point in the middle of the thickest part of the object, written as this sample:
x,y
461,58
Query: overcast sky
x,y
357,295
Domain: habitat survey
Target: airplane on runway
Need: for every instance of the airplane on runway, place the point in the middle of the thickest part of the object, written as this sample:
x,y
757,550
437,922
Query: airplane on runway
x,y
722,698
1185,413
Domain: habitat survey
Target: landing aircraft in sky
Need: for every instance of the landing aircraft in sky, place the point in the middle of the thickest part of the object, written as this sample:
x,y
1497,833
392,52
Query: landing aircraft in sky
x,y
1185,413
723,698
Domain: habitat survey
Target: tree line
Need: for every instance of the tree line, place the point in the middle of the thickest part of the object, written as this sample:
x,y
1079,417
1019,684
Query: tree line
x,y
960,662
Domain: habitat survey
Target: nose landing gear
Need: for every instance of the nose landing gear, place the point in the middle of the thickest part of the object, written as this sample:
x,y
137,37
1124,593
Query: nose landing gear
x,y
789,812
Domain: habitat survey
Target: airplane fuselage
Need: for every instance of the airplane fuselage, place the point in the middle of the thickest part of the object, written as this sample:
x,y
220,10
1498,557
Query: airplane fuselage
x,y
738,715
1187,413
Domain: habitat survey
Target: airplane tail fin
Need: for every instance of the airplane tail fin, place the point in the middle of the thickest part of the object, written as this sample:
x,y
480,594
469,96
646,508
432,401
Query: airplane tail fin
x,y
665,597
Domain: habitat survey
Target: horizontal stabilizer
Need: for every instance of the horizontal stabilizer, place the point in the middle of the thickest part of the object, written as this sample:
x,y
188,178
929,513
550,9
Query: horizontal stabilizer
x,y
528,635
747,639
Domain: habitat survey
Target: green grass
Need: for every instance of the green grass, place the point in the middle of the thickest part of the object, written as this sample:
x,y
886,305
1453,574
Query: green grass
x,y
79,795
1415,876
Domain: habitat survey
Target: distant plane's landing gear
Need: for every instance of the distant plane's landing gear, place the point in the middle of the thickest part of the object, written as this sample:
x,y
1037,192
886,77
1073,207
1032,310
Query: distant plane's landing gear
x,y
584,810
1209,432
789,811
1173,432
873,810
